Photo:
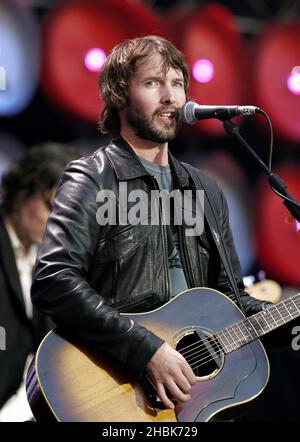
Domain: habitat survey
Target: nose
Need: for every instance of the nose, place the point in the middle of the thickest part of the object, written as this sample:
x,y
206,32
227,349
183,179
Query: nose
x,y
167,96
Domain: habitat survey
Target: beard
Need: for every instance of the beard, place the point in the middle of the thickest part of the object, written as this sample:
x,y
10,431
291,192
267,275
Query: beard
x,y
146,128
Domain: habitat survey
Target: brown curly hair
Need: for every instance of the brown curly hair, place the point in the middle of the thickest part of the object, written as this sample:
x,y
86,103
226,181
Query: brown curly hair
x,y
38,171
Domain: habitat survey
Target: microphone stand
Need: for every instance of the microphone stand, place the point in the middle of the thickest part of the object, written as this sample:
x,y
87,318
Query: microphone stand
x,y
274,180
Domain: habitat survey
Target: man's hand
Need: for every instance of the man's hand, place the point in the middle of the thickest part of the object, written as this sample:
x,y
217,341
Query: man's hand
x,y
169,371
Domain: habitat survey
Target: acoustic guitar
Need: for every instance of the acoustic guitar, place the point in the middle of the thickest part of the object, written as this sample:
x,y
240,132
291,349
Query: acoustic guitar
x,y
66,382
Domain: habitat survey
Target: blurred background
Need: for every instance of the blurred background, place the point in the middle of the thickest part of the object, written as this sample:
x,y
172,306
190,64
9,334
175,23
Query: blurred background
x,y
51,52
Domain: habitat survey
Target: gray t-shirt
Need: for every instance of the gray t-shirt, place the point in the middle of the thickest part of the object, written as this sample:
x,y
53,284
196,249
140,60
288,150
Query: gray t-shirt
x,y
177,278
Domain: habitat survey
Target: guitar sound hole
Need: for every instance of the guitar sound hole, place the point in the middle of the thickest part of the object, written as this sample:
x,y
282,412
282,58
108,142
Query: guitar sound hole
x,y
201,351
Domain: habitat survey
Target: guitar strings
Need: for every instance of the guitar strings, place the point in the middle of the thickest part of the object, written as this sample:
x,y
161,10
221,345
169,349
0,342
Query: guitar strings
x,y
210,357
280,317
237,325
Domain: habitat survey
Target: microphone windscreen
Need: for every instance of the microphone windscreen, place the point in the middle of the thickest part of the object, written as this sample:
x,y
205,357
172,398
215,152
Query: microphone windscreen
x,y
187,113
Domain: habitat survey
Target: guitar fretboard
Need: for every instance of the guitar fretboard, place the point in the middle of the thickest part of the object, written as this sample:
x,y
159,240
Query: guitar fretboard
x,y
243,332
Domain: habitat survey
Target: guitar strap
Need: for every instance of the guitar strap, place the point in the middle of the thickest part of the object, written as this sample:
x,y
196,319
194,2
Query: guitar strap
x,y
213,223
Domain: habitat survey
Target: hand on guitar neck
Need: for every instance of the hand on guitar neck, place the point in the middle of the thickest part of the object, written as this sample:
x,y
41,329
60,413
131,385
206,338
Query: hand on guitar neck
x,y
169,372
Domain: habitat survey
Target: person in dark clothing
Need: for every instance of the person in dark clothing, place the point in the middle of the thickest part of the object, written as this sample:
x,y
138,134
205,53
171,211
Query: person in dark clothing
x,y
95,262
27,192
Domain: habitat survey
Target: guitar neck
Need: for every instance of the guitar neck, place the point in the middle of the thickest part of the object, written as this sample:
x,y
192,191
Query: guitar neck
x,y
243,332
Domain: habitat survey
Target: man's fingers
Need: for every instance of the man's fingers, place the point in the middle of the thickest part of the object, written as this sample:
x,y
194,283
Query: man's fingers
x,y
182,383
189,374
164,398
176,392
186,378
171,374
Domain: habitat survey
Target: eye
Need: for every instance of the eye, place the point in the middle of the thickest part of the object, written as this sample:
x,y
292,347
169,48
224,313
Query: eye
x,y
151,83
178,84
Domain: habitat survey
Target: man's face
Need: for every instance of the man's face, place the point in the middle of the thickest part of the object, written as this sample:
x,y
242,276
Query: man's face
x,y
32,216
155,98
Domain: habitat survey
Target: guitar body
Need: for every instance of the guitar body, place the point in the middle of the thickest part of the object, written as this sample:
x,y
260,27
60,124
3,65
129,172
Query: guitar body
x,y
67,383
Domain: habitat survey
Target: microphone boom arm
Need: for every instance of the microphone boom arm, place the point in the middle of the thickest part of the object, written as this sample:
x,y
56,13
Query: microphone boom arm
x,y
276,183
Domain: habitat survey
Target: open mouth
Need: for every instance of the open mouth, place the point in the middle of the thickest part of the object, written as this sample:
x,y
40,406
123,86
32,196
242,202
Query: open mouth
x,y
167,117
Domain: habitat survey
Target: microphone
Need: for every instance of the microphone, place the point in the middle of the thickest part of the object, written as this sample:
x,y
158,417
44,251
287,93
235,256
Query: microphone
x,y
191,112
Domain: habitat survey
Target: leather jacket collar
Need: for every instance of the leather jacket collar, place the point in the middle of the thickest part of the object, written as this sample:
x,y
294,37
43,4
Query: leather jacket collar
x,y
127,165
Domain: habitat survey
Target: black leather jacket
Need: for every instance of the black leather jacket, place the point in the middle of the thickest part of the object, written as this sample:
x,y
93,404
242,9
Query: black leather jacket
x,y
86,273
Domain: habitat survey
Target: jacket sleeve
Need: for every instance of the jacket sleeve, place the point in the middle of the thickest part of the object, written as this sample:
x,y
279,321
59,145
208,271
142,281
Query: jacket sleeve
x,y
60,287
250,305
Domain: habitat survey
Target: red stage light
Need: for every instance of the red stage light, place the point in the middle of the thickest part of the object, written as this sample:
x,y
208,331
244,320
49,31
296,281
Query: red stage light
x,y
293,81
203,70
210,33
70,78
278,244
94,59
276,56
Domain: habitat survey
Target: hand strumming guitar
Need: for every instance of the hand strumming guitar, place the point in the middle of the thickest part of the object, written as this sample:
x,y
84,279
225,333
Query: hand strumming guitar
x,y
170,372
